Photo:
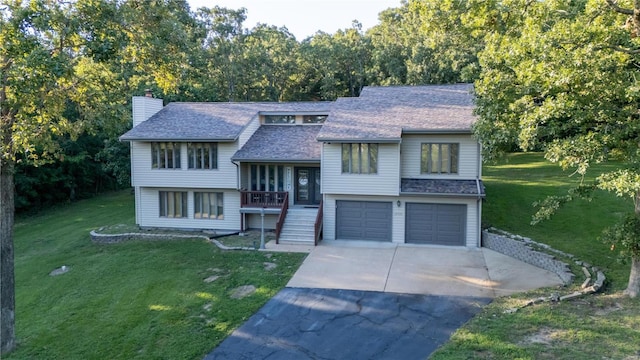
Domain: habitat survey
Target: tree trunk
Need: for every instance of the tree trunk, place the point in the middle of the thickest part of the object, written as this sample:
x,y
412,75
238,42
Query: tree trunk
x,y
7,280
633,288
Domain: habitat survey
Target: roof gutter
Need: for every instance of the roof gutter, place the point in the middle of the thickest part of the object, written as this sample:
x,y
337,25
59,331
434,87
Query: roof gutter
x,y
122,138
437,131
360,141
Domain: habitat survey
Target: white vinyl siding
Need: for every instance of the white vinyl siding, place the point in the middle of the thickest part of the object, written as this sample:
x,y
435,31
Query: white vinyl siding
x,y
385,182
398,222
468,156
225,176
251,128
148,216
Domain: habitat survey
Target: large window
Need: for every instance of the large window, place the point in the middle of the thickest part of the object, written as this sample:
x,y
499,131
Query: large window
x,y
360,158
439,158
267,178
203,155
165,155
173,204
208,205
279,119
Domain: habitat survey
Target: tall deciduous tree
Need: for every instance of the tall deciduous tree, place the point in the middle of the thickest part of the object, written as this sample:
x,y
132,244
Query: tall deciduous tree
x,y
563,79
36,48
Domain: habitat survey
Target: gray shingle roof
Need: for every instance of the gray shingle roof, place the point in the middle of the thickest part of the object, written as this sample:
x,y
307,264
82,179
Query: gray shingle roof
x,y
382,113
442,187
282,143
211,121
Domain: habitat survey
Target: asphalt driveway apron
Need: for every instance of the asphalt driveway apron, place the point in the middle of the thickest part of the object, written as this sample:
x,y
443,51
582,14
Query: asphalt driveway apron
x,y
301,323
388,302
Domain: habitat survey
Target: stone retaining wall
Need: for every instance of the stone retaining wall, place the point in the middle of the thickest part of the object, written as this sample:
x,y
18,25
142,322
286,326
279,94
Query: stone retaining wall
x,y
522,248
116,238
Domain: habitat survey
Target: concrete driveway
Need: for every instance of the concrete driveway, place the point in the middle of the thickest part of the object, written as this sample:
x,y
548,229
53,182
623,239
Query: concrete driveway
x,y
377,302
418,270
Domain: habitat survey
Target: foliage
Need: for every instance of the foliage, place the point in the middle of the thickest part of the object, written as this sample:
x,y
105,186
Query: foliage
x,y
624,236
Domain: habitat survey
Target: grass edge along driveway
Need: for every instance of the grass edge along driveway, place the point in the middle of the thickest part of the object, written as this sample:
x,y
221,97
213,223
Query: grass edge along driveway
x,y
602,326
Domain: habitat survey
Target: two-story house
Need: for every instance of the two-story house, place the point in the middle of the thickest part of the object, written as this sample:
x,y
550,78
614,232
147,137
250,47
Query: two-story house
x,y
397,164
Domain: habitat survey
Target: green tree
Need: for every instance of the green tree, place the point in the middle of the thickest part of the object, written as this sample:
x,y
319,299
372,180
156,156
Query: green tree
x,y
562,78
36,43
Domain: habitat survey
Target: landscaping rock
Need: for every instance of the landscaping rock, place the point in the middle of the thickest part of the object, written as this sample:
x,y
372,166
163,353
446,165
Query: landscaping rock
x,y
242,291
59,271
268,266
211,278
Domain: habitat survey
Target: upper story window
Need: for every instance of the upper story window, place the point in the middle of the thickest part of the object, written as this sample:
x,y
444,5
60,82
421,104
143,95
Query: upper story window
x,y
173,204
314,119
165,155
439,158
279,119
203,155
360,158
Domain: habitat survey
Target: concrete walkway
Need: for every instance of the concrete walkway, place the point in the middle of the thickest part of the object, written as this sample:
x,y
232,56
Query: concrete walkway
x,y
421,270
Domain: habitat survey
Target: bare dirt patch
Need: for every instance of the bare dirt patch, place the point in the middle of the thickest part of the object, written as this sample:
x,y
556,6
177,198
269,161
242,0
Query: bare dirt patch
x,y
544,336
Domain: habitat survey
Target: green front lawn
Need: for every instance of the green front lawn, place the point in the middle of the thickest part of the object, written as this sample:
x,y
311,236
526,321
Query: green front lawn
x,y
142,299
602,326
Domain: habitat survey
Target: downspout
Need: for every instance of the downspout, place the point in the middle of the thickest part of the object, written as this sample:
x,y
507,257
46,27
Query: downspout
x,y
238,189
479,200
237,175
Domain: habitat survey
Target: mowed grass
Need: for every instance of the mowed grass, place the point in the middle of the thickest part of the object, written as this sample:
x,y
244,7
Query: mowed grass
x,y
602,326
135,300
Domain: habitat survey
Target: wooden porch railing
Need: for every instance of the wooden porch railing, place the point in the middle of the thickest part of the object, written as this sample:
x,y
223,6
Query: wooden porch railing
x,y
318,226
282,216
263,199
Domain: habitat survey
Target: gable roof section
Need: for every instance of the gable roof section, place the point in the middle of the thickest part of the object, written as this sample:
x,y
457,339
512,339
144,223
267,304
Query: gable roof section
x,y
211,121
382,114
282,143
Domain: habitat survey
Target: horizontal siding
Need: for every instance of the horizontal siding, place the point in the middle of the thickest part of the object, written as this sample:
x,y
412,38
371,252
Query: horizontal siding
x,y
398,223
411,156
144,107
149,211
143,175
385,182
245,135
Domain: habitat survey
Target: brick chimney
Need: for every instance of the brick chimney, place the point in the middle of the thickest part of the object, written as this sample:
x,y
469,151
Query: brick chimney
x,y
144,107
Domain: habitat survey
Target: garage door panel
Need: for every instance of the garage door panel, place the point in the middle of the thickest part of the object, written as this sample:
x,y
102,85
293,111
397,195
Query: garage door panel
x,y
363,220
437,224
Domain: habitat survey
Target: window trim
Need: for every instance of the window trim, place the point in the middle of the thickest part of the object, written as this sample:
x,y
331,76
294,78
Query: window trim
x,y
452,163
283,119
217,206
162,152
164,204
355,163
195,151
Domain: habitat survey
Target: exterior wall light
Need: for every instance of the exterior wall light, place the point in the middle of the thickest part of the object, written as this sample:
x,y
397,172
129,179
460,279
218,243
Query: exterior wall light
x,y
398,203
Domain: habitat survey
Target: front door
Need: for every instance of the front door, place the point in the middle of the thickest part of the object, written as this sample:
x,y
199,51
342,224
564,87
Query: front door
x,y
307,186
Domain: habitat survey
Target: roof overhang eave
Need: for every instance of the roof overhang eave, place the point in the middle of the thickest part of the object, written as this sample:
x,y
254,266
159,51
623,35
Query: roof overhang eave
x,y
413,193
437,131
360,140
207,140
272,161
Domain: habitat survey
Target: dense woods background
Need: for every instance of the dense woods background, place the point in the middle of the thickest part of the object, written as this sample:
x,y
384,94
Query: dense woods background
x,y
115,49
88,57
